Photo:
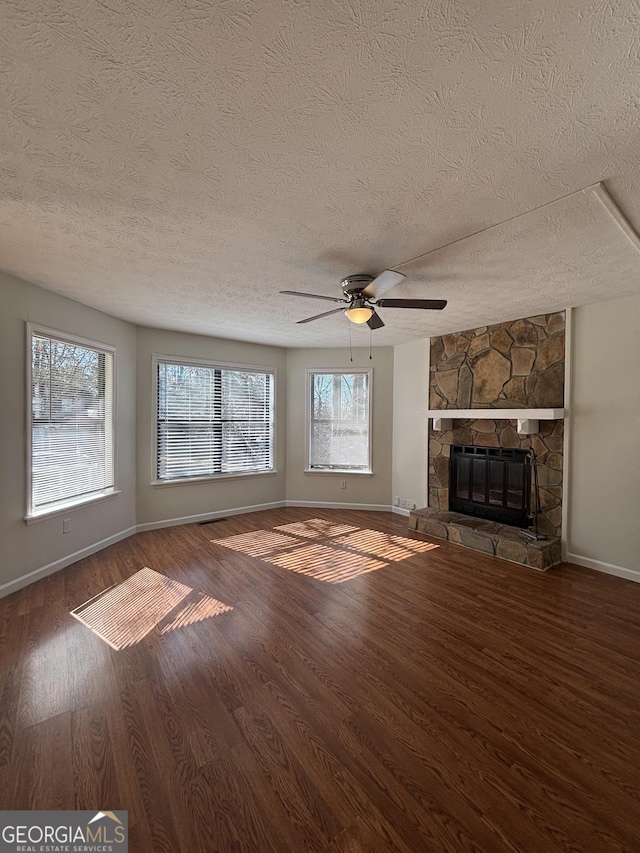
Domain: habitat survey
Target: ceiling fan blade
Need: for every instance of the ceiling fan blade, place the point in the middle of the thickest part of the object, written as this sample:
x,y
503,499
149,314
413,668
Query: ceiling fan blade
x,y
313,296
325,314
432,304
375,321
383,282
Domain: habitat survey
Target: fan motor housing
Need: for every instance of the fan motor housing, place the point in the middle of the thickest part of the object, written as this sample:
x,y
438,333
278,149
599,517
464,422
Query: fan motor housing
x,y
355,284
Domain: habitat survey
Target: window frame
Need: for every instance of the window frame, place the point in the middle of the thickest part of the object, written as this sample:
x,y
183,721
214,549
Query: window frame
x,y
73,503
160,358
341,472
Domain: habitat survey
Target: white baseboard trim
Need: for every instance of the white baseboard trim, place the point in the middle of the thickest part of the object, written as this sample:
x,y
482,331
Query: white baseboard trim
x,y
400,511
63,562
206,516
332,505
607,568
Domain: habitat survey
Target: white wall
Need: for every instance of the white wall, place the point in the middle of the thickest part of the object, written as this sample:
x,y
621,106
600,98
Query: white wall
x,y
604,438
410,434
319,489
161,504
41,547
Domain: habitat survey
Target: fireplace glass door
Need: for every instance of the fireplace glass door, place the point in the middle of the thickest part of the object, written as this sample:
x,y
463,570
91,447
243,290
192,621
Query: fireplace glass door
x,y
491,482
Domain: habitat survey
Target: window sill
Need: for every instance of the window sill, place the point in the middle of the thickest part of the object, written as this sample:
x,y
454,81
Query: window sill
x,y
190,481
72,506
341,472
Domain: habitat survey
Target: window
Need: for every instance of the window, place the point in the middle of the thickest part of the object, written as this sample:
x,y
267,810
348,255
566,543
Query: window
x,y
212,420
339,432
71,429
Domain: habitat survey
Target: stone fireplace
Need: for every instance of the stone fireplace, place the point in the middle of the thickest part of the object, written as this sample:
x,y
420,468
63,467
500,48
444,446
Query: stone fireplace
x,y
510,368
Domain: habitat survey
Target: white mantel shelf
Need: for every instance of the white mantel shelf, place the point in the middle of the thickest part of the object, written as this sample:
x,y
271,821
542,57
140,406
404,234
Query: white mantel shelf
x,y
528,419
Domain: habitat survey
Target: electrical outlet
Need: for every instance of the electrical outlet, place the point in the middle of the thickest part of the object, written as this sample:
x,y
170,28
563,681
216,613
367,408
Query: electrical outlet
x,y
66,525
411,505
343,484
396,501
403,503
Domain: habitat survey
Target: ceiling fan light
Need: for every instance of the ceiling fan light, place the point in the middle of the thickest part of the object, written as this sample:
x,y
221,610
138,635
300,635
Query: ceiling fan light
x,y
359,314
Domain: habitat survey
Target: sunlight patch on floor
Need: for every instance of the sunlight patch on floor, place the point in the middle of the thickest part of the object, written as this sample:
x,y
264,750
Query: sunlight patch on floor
x,y
258,543
324,563
314,528
196,608
126,613
346,552
385,545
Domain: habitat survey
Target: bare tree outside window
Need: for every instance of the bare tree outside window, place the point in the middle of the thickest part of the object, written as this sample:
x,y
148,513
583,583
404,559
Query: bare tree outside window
x,y
71,422
339,428
213,420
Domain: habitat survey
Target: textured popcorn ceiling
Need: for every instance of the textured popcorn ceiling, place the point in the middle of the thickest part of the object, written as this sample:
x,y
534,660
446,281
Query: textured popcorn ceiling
x,y
177,164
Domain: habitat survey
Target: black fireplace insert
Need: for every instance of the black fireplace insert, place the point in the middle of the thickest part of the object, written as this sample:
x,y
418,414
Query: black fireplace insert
x,y
491,482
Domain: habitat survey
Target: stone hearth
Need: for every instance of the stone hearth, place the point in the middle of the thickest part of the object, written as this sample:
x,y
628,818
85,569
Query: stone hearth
x,y
500,540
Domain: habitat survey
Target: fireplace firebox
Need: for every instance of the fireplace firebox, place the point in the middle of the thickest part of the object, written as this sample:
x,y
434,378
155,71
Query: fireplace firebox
x,y
491,482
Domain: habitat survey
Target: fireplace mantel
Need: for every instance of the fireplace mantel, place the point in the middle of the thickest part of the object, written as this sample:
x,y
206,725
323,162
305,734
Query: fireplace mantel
x,y
528,419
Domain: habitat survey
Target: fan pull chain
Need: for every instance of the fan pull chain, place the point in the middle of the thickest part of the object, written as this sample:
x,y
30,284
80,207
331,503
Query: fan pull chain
x,y
350,349
370,333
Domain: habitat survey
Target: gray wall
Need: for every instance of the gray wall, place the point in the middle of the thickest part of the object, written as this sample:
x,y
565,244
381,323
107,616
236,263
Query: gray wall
x,y
410,433
325,488
42,545
604,437
166,503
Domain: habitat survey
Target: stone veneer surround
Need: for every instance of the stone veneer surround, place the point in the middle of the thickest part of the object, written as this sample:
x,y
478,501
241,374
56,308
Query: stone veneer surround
x,y
517,364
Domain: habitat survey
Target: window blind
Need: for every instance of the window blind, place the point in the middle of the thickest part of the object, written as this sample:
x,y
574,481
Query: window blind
x,y
339,424
213,420
72,391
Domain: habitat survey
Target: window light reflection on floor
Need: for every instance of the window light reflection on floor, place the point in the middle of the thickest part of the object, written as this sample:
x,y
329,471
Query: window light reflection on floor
x,y
126,613
345,553
258,543
315,528
384,545
325,564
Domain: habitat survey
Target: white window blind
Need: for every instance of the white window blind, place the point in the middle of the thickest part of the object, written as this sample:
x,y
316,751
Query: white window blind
x,y
72,392
213,420
339,436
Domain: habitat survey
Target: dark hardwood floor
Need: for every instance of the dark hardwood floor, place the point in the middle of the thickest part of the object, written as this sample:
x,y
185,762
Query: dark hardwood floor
x,y
337,685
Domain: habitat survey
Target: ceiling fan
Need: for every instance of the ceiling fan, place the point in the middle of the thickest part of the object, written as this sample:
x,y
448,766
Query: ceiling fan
x,y
361,296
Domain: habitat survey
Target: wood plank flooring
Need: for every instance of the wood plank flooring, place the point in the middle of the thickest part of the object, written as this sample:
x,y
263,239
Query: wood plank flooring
x,y
369,689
